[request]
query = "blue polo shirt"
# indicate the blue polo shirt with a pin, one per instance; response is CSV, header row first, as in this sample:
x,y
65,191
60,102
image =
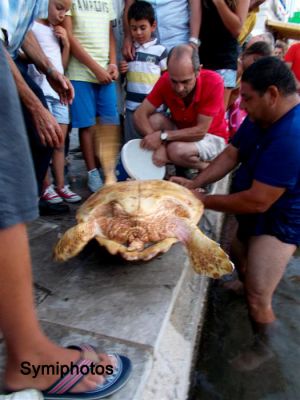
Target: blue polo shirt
x,y
271,156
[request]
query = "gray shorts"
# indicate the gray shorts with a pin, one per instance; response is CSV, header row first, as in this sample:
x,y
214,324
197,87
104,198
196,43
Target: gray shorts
x,y
210,146
18,189
59,111
130,131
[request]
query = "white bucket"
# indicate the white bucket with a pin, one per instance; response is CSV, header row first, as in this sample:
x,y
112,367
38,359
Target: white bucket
x,y
136,163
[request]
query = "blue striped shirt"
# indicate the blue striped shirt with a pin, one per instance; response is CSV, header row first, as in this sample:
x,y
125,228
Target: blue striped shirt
x,y
16,18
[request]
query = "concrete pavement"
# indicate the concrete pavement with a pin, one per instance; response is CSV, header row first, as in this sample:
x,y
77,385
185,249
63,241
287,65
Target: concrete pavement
x,y
152,312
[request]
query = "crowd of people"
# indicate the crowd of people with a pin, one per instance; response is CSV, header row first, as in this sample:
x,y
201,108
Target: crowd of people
x,y
201,93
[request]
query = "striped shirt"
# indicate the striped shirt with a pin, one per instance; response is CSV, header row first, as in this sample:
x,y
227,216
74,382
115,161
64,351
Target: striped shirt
x,y
144,71
16,18
91,26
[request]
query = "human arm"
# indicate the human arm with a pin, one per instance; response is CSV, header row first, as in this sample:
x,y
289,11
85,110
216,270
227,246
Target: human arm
x,y
112,66
255,3
216,170
82,55
59,82
123,67
258,199
195,18
62,36
128,49
141,117
233,20
47,127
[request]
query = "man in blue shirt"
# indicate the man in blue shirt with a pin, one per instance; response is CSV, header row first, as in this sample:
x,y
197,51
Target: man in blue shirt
x,y
265,191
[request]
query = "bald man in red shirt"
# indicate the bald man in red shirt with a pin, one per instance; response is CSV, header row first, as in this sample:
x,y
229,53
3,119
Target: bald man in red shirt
x,y
195,132
292,59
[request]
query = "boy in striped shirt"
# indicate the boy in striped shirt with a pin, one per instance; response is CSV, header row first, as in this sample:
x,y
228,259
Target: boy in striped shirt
x,y
150,60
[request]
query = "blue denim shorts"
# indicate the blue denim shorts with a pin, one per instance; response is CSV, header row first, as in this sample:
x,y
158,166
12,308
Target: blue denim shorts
x,y
229,77
18,189
94,100
59,111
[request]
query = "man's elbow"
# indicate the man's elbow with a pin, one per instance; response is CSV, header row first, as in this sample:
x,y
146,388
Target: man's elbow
x,y
236,32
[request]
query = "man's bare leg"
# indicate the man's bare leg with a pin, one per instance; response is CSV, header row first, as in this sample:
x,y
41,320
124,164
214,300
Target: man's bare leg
x,y
238,255
185,154
266,262
23,336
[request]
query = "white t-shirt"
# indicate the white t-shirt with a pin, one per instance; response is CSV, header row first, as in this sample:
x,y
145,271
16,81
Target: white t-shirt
x,y
51,47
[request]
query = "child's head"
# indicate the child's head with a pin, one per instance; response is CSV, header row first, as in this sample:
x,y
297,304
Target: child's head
x,y
141,21
280,49
256,51
57,10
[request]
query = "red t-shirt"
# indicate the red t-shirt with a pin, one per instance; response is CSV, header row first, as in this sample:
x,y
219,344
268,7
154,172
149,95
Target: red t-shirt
x,y
293,56
208,100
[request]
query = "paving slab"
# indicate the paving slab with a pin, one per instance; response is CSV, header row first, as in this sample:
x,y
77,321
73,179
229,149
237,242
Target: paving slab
x,y
151,311
113,304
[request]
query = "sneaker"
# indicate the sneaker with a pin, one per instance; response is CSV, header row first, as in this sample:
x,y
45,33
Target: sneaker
x,y
66,194
94,180
51,196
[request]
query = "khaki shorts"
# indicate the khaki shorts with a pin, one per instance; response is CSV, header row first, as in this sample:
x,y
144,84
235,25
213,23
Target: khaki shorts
x,y
210,146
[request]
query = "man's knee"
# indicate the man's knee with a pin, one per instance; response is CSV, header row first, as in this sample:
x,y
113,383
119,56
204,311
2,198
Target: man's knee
x,y
159,121
176,151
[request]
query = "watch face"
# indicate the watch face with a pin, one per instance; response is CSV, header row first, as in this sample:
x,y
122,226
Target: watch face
x,y
164,136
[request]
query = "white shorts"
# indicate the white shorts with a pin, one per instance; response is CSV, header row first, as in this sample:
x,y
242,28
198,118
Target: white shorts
x,y
210,146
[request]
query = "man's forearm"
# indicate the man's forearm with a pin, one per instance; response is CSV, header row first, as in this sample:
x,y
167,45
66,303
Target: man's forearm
x,y
125,18
218,168
237,203
195,17
29,99
187,134
33,50
141,122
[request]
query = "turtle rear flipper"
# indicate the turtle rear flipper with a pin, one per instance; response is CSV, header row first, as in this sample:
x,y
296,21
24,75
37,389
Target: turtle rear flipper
x,y
74,240
206,256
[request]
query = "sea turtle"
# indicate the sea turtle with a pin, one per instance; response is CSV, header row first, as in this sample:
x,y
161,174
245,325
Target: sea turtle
x,y
140,219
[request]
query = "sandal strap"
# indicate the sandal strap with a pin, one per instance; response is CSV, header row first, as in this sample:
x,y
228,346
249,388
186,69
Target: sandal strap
x,y
69,380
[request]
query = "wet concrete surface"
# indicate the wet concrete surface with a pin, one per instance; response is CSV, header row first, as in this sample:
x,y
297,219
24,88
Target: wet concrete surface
x,y
227,332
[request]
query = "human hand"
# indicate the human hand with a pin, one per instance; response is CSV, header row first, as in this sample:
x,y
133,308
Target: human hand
x,y
103,76
61,85
200,194
128,49
48,129
62,35
160,157
113,71
123,67
151,141
188,183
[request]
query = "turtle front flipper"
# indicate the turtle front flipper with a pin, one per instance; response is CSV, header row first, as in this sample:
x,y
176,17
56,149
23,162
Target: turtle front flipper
x,y
206,256
74,240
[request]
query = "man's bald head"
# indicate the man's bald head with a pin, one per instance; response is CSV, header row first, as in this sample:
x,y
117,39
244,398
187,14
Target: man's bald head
x,y
184,54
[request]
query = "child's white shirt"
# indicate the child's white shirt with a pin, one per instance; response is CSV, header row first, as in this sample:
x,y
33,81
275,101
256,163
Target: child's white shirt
x,y
51,47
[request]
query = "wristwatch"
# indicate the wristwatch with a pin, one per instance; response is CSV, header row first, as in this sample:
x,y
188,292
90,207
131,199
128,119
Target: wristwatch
x,y
164,136
195,41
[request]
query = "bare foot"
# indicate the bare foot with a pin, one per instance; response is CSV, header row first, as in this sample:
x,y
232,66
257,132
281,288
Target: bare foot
x,y
20,376
236,286
252,358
